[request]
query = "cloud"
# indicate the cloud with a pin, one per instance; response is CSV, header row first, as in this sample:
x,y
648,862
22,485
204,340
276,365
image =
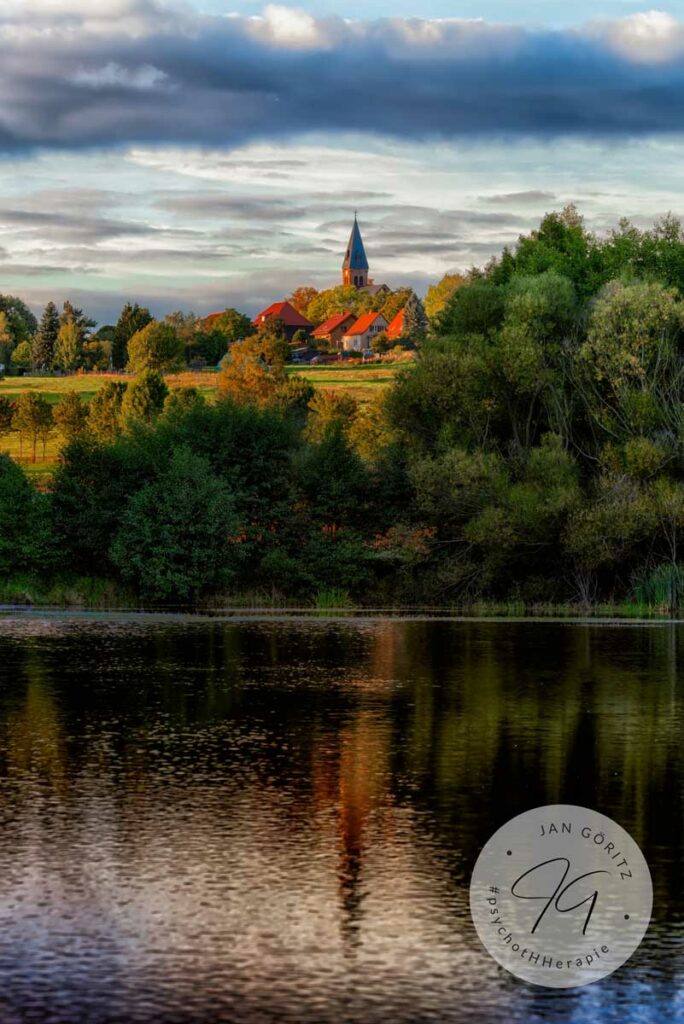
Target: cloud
x,y
145,77
75,74
532,197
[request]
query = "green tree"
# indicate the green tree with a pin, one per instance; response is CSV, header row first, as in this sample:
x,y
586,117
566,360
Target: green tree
x,y
394,302
155,347
131,320
328,408
104,412
69,347
186,326
415,321
6,340
32,420
26,543
476,308
22,323
21,356
6,414
71,416
339,299
439,294
254,370
45,338
72,315
144,398
175,540
180,401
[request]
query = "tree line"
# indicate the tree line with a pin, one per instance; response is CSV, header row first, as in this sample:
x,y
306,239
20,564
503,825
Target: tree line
x,y
67,342
534,452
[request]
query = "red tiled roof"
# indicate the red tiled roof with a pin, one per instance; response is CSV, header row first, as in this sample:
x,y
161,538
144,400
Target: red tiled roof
x,y
285,312
363,323
396,328
330,325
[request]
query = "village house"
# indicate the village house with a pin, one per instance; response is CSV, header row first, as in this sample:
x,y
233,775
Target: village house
x,y
360,335
396,327
334,329
292,320
345,330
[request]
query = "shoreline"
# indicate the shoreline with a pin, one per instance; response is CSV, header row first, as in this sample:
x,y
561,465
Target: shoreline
x,y
284,613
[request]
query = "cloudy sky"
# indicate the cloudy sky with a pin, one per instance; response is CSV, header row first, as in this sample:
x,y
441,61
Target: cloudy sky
x,y
205,154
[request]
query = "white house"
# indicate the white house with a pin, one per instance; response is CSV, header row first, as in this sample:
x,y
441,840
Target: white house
x,y
360,335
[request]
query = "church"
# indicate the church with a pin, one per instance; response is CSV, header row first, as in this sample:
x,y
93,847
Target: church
x,y
345,330
355,266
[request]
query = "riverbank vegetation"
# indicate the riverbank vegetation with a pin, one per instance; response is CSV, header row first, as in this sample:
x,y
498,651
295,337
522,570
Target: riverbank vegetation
x,y
532,456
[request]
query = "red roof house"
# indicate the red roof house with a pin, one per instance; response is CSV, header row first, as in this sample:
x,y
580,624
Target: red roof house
x,y
292,320
396,328
334,329
359,336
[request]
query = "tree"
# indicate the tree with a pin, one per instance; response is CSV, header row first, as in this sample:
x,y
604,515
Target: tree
x,y
175,539
217,333
131,320
32,420
144,398
26,543
6,340
439,294
302,297
415,321
476,308
21,356
96,354
327,409
254,370
155,347
72,315
234,326
6,414
630,369
71,416
395,302
339,299
104,412
181,401
69,346
186,326
21,321
45,339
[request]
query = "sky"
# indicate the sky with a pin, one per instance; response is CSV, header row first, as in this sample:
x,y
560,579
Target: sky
x,y
210,154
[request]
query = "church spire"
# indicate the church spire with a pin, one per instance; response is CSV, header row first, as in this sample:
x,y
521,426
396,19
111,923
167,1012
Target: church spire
x,y
355,266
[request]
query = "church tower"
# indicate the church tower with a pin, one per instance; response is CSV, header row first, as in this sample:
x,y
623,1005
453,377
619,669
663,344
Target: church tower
x,y
355,266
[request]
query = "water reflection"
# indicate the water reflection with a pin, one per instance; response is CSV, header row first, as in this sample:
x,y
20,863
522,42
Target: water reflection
x,y
276,821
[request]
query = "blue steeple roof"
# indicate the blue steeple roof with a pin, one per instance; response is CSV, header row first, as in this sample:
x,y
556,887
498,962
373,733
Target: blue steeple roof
x,y
356,254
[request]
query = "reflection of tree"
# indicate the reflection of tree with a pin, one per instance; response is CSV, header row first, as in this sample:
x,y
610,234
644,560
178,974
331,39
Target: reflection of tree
x,y
34,736
352,776
467,723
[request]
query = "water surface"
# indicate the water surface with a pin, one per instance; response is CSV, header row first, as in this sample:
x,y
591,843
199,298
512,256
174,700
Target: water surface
x,y
275,821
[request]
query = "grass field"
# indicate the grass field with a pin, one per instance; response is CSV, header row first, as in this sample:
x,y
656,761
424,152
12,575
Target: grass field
x,y
363,382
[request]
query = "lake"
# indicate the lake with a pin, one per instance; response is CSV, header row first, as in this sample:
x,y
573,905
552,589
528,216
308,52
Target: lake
x,y
275,820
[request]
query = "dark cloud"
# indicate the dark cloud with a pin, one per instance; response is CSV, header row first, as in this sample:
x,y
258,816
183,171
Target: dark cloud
x,y
75,74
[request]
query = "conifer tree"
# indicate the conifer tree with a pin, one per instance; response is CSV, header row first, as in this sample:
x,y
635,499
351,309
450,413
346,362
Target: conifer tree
x,y
45,339
415,320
